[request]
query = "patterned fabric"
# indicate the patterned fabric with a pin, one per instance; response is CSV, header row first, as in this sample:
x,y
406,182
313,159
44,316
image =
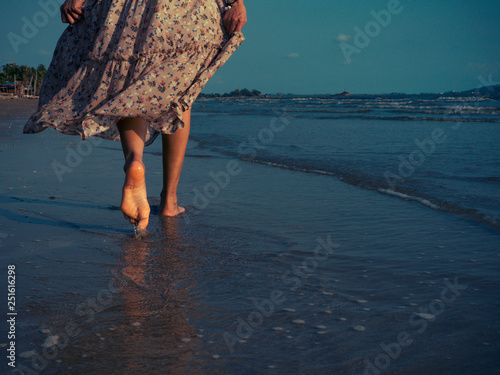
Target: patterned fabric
x,y
132,58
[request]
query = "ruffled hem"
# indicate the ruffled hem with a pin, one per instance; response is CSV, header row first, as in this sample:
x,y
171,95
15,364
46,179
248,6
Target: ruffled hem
x,y
99,94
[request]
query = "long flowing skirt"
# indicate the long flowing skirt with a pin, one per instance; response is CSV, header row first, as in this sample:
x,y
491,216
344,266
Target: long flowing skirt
x,y
132,58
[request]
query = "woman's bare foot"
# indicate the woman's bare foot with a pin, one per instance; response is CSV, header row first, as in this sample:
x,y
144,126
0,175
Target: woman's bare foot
x,y
169,207
135,206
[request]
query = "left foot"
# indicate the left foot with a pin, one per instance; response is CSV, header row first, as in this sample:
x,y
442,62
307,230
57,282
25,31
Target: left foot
x,y
169,207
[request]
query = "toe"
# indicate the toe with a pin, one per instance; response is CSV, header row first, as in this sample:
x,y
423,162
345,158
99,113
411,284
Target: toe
x,y
142,223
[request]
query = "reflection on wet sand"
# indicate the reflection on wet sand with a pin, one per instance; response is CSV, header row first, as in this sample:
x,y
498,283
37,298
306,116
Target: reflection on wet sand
x,y
155,302
152,324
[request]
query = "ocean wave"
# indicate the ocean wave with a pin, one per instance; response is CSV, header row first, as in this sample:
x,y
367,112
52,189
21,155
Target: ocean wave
x,y
407,197
463,98
441,119
447,112
356,179
330,111
410,118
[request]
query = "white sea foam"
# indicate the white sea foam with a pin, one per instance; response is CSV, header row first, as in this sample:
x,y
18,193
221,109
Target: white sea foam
x,y
422,201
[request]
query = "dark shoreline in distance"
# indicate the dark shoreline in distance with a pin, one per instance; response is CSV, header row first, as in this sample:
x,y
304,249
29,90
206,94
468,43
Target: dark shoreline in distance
x,y
492,92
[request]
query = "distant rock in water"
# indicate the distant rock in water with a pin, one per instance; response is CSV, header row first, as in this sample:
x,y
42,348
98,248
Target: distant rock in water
x,y
343,93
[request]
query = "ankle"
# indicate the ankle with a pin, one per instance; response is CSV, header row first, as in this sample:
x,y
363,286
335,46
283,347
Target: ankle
x,y
167,195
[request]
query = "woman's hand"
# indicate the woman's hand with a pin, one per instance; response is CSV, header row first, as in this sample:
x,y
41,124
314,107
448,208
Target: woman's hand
x,y
235,18
72,11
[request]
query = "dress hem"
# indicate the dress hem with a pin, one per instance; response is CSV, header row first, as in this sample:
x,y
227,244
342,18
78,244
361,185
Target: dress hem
x,y
100,118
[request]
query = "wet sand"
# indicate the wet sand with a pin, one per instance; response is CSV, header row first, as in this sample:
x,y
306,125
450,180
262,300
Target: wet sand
x,y
269,271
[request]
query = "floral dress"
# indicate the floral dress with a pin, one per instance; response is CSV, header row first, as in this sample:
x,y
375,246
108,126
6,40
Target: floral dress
x,y
132,58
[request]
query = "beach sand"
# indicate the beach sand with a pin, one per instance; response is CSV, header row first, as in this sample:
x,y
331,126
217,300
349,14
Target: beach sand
x,y
269,271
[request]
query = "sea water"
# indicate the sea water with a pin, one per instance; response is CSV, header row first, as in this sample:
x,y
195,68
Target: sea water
x,y
440,151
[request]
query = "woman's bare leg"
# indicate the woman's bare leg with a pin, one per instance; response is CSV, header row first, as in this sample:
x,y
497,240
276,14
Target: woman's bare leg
x,y
134,204
174,149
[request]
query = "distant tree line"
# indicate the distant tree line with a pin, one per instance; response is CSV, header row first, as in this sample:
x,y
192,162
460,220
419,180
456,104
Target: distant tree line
x,y
31,78
244,92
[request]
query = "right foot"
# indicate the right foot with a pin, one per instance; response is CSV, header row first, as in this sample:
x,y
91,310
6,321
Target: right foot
x,y
135,206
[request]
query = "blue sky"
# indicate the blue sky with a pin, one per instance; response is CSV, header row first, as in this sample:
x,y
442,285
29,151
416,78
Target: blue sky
x,y
309,47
